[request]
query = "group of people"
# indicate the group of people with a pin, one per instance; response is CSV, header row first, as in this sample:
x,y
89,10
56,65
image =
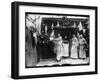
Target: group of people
x,y
75,48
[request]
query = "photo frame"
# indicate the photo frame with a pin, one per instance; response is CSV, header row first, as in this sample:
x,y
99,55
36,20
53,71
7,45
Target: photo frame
x,y
52,40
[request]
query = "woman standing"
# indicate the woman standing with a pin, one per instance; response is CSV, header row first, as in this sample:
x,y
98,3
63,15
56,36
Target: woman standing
x,y
65,47
74,50
82,42
30,49
58,46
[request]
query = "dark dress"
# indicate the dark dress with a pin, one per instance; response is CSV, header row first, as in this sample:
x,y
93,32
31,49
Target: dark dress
x,y
30,51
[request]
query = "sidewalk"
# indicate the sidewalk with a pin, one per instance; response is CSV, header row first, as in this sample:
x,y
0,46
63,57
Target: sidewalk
x,y
69,61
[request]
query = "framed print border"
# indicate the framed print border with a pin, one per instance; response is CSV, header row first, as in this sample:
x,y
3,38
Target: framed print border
x,y
15,39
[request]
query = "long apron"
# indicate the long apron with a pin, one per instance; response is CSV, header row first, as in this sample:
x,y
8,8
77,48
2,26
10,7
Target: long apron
x,y
65,49
58,49
74,50
82,52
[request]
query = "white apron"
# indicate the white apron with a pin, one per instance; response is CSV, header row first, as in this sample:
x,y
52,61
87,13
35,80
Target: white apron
x,y
82,53
58,49
74,50
65,50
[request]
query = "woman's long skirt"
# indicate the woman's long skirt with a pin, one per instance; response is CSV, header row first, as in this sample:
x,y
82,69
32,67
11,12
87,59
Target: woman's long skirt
x,y
58,50
74,52
65,50
82,53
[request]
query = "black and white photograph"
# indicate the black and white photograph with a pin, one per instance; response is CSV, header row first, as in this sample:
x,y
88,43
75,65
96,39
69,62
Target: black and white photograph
x,y
56,40
51,40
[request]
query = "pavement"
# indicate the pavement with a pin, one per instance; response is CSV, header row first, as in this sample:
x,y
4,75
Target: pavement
x,y
67,61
